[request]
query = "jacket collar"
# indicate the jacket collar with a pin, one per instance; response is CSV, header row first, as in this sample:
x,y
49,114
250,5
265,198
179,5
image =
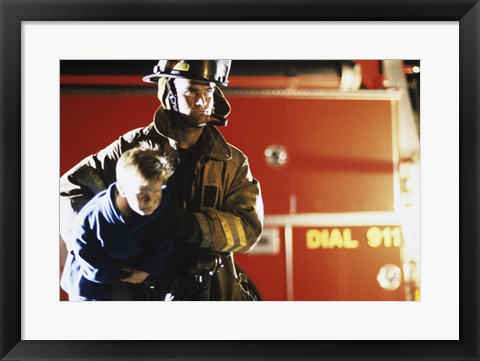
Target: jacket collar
x,y
215,146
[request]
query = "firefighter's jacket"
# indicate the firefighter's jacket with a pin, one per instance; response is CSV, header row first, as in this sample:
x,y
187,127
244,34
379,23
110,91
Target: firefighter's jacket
x,y
227,199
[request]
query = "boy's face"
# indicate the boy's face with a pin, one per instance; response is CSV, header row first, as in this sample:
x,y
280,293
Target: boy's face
x,y
142,197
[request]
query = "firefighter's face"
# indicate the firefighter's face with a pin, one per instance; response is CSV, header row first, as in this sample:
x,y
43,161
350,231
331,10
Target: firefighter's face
x,y
143,197
195,99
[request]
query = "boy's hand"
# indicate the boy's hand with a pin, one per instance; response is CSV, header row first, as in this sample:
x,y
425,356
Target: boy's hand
x,y
135,276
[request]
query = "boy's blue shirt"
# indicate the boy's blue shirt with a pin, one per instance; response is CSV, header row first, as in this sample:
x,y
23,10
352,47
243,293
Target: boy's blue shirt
x,y
104,243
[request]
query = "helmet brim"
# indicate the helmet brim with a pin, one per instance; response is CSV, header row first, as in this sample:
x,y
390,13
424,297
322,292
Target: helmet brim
x,y
153,78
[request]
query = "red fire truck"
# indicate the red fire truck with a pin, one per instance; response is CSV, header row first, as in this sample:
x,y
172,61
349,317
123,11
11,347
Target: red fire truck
x,y
335,146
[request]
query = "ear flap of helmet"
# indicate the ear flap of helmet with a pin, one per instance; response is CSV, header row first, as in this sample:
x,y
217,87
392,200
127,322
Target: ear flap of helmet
x,y
162,93
220,103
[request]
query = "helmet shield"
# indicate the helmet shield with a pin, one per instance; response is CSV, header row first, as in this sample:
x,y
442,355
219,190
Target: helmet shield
x,y
215,71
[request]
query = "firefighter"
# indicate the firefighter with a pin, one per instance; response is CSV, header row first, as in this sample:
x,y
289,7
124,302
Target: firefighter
x,y
217,209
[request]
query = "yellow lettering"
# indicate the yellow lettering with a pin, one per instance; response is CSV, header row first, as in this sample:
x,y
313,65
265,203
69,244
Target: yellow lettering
x,y
335,239
348,242
325,238
397,237
314,239
387,237
374,237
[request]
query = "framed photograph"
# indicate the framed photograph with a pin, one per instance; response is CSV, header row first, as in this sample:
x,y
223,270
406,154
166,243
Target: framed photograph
x,y
40,41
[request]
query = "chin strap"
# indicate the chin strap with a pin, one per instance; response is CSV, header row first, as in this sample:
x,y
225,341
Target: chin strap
x,y
217,120
171,96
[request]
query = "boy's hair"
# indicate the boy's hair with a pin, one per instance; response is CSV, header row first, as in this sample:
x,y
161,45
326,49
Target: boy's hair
x,y
146,161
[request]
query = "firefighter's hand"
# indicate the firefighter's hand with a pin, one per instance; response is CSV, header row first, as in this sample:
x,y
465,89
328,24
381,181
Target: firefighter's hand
x,y
135,276
177,223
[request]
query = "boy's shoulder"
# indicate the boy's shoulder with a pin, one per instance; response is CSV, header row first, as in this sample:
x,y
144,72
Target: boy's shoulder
x,y
98,208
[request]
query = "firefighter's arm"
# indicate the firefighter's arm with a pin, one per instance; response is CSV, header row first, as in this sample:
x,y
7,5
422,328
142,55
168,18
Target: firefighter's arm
x,y
82,183
237,226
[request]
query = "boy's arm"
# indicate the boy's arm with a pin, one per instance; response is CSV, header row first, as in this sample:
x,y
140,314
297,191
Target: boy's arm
x,y
95,264
154,257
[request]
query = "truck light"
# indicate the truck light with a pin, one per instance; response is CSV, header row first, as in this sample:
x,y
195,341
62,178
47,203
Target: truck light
x,y
276,156
389,277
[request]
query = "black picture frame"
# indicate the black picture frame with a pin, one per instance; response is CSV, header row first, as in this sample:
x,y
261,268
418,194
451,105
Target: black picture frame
x,y
13,12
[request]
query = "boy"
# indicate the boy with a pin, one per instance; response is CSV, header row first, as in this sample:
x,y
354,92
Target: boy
x,y
112,253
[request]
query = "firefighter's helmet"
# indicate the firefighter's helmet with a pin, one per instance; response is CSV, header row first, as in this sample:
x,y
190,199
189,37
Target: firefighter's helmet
x,y
215,71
